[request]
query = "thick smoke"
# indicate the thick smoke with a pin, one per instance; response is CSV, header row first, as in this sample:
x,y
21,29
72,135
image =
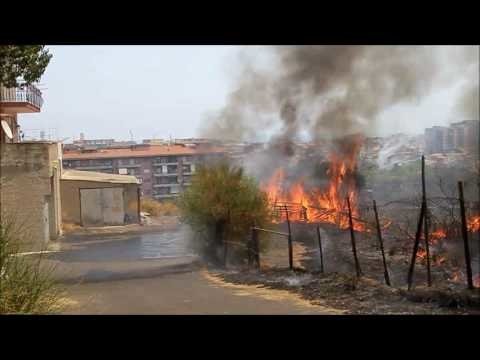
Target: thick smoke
x,y
468,107
329,91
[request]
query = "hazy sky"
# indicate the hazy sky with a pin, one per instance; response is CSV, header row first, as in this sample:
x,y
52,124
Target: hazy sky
x,y
162,91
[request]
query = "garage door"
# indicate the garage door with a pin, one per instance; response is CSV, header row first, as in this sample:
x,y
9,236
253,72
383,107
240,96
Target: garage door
x,y
100,207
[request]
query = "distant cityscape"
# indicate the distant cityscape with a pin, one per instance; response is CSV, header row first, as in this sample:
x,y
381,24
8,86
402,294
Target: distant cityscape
x,y
165,167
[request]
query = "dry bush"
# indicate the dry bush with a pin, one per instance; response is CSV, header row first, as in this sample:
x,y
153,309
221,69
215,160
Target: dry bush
x,y
70,227
157,208
26,284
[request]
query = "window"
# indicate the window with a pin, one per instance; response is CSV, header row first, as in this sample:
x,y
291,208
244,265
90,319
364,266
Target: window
x,y
172,169
162,191
161,159
167,180
186,168
127,161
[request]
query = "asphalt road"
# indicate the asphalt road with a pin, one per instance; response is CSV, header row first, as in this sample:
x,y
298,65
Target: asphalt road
x,y
157,274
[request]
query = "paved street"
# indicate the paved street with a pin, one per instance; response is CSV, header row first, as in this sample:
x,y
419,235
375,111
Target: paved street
x,y
157,274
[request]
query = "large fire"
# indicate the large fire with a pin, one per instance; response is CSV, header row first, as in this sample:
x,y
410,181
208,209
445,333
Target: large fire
x,y
321,205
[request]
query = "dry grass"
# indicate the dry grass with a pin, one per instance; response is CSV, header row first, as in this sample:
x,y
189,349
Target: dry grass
x,y
157,208
69,227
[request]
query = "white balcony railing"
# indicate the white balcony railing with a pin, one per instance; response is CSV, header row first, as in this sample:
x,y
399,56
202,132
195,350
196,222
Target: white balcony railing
x,y
29,94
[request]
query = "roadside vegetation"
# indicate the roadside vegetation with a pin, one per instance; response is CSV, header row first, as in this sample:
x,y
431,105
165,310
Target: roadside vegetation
x,y
221,205
157,208
26,285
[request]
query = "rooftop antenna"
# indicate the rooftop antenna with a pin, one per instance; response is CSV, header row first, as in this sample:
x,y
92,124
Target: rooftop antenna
x,y
131,135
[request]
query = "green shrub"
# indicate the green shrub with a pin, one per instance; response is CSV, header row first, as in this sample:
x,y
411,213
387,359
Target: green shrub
x,y
221,205
26,285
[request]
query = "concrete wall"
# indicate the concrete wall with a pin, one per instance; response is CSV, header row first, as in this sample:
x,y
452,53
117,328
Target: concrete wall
x,y
70,195
30,191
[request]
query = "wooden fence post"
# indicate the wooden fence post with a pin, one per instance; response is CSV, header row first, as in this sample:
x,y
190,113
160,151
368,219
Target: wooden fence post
x,y
250,247
380,240
256,248
352,237
468,262
415,246
320,249
426,221
290,245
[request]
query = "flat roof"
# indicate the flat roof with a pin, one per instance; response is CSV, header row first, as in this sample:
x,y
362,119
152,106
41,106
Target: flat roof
x,y
98,177
140,151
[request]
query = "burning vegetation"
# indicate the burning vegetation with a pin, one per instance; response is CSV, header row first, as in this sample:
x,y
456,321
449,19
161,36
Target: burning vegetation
x,y
314,204
332,96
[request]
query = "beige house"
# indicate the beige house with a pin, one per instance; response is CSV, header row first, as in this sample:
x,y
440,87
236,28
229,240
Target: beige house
x,y
29,172
99,199
33,186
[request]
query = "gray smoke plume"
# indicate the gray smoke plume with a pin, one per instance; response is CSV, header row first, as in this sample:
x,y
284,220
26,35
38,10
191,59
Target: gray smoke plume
x,y
467,105
327,91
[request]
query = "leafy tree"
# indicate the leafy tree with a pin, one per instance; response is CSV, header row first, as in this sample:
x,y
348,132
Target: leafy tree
x,y
27,61
221,205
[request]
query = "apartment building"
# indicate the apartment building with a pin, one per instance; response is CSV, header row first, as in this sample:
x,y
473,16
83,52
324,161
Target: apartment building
x,y
83,143
467,135
459,137
163,170
30,172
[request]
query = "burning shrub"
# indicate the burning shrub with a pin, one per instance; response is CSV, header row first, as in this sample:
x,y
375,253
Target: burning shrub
x,y
222,204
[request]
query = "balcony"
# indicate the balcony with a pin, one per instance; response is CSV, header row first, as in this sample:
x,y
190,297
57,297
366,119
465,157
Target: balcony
x,y
25,99
157,163
166,174
129,165
93,167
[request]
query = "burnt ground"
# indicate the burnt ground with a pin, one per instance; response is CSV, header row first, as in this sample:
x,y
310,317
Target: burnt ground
x,y
339,288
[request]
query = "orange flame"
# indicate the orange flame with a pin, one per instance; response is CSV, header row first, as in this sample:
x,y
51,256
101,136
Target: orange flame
x,y
457,276
328,205
436,236
473,223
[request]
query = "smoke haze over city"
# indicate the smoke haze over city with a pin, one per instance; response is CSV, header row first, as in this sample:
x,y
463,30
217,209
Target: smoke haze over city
x,y
159,91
